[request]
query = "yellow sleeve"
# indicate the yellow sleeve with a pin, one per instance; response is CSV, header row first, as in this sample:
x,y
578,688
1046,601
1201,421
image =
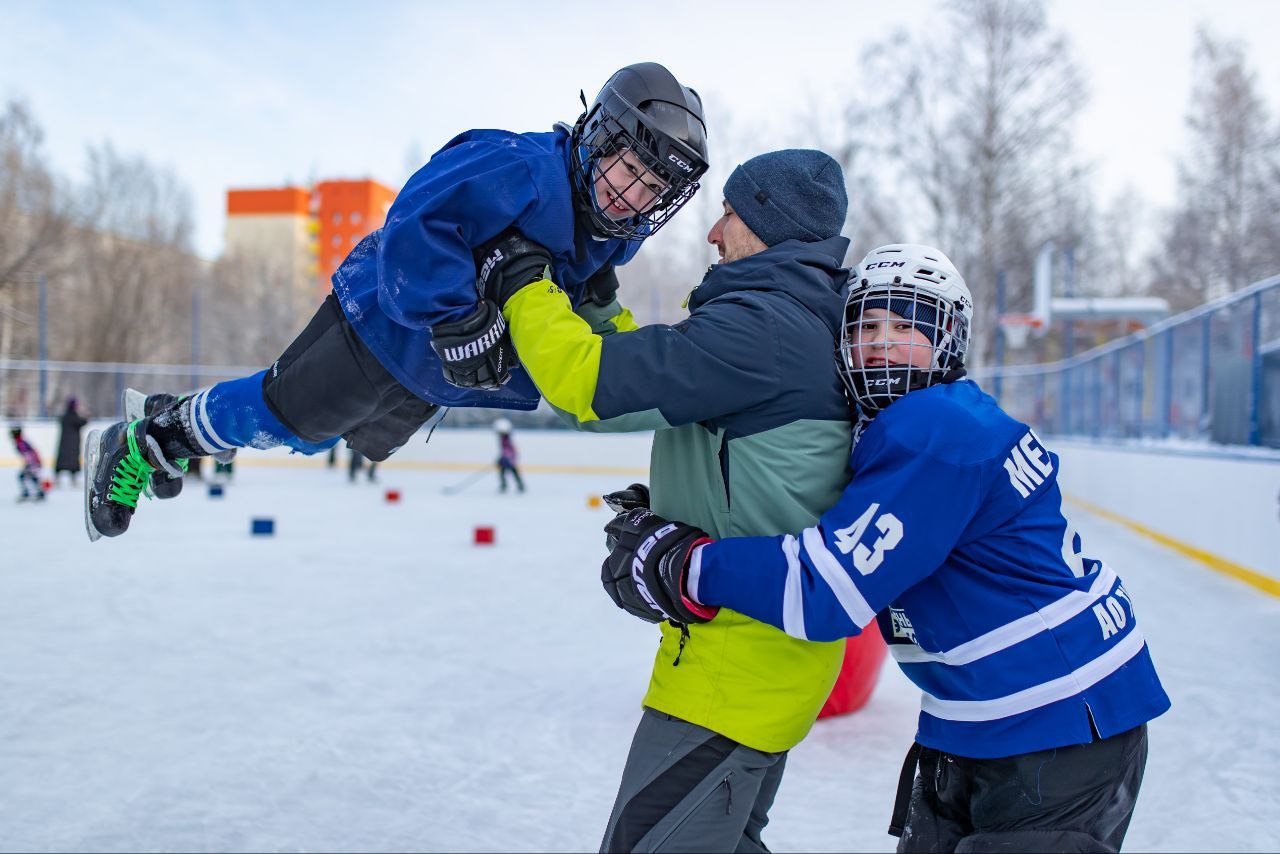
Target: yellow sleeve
x,y
557,347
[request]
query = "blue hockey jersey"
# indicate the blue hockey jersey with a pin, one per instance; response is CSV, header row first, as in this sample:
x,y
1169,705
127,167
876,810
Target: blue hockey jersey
x,y
419,269
951,535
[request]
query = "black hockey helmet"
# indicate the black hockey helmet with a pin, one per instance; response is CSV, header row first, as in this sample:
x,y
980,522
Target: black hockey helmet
x,y
645,111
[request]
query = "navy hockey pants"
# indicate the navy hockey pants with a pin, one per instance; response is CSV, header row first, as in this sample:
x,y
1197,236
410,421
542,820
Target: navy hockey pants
x,y
1077,798
326,384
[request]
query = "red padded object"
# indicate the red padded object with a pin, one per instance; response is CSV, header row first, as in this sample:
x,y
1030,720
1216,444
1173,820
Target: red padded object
x,y
863,656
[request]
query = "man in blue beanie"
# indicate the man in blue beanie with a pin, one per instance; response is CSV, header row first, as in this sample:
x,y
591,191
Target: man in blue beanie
x,y
745,429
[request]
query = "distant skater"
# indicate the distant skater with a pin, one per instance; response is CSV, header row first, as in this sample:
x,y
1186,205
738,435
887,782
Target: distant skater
x,y
29,474
506,456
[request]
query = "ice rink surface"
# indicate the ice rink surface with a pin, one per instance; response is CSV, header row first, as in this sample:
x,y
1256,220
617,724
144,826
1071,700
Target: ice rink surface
x,y
368,680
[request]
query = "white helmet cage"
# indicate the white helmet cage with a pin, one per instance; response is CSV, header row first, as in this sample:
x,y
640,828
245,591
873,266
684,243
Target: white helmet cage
x,y
921,286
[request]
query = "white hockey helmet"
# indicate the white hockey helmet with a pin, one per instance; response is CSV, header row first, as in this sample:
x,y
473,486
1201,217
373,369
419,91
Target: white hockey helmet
x,y
917,283
502,425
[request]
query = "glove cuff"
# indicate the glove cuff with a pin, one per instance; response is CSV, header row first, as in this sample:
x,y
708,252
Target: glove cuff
x,y
689,581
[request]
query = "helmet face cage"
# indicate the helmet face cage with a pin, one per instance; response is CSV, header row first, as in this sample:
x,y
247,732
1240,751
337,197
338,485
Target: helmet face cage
x,y
928,335
615,128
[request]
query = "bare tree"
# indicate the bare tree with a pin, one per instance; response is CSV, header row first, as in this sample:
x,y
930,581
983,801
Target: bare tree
x,y
34,205
970,127
1224,231
131,296
249,311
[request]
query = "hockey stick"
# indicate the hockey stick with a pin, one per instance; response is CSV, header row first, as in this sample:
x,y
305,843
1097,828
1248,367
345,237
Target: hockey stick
x,y
474,477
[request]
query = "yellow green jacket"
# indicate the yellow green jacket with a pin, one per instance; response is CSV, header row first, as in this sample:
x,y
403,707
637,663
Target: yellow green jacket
x,y
751,433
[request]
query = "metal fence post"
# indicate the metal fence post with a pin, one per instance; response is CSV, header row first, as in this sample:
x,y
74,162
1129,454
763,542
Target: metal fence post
x,y
1206,335
1166,416
998,382
1255,384
44,346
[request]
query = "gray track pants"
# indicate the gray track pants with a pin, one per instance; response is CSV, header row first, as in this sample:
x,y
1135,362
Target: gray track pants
x,y
686,788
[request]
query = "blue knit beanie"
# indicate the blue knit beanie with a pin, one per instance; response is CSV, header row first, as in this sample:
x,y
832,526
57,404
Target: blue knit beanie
x,y
794,193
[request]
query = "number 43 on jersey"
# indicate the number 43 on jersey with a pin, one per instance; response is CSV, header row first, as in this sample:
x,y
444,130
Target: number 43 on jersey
x,y
867,560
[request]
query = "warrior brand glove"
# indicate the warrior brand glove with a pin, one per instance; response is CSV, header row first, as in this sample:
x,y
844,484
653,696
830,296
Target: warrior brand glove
x,y
508,263
475,352
645,571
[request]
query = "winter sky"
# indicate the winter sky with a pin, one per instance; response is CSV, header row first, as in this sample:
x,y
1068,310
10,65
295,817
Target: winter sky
x,y
260,94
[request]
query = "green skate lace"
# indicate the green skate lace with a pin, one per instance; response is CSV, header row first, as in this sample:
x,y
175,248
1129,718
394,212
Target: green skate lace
x,y
130,475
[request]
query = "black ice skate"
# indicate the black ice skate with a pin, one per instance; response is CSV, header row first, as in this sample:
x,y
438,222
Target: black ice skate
x,y
118,462
137,406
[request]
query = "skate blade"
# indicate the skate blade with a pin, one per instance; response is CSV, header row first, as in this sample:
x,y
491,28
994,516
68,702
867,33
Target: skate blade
x,y
92,453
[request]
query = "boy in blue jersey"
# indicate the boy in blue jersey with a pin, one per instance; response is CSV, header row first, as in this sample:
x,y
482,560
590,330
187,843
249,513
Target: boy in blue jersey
x,y
405,330
1037,682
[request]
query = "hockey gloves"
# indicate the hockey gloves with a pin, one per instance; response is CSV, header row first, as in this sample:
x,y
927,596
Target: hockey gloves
x,y
635,495
475,352
508,263
645,571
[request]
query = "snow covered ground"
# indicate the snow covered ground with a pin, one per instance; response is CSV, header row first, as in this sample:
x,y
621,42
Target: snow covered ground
x,y
367,679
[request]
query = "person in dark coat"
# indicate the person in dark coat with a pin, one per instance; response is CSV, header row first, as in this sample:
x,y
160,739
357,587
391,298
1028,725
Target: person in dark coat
x,y
68,459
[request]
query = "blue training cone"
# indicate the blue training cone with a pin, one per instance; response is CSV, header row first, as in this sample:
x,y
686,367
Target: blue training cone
x,y
263,527
215,490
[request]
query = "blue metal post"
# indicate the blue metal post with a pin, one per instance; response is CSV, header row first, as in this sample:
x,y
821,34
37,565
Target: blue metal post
x,y
1141,390
44,346
1117,386
1255,391
1206,334
1166,416
1097,398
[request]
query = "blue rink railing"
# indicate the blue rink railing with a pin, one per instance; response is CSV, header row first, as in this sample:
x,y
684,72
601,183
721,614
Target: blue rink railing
x,y
1211,374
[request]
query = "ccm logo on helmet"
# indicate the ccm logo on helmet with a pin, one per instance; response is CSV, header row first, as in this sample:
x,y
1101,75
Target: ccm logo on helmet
x,y
886,264
677,161
886,382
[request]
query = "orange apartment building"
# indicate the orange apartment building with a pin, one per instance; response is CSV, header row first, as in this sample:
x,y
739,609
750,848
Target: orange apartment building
x,y
301,235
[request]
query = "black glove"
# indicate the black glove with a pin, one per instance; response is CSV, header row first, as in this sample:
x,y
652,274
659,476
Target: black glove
x,y
475,352
602,288
635,495
644,572
507,263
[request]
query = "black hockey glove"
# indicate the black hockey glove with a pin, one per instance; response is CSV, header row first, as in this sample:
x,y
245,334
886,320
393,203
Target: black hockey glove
x,y
475,352
635,495
645,570
507,263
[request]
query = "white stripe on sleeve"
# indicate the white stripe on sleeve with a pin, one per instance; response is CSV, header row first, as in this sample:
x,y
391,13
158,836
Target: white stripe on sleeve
x,y
792,595
837,579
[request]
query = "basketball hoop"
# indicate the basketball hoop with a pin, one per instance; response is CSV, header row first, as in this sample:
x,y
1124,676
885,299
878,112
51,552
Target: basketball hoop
x,y
1016,328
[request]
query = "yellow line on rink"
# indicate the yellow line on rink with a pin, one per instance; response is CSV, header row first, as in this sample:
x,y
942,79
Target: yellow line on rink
x,y
1253,578
318,461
